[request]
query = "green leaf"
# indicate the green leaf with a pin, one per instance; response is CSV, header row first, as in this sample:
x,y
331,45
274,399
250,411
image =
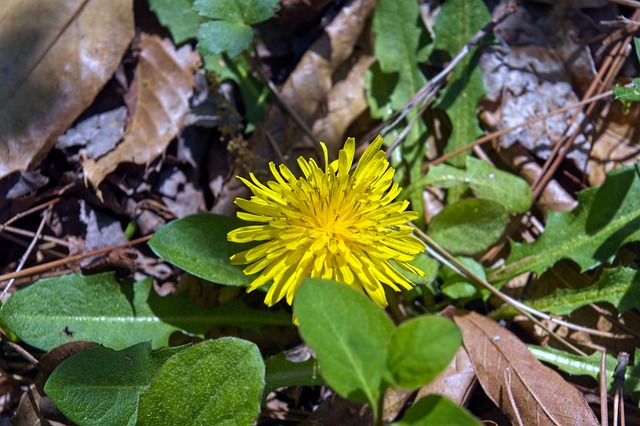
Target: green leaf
x,y
178,16
400,39
100,386
223,36
248,11
280,372
198,244
486,181
618,286
420,349
97,308
350,335
606,217
436,410
457,286
230,31
426,264
577,365
628,94
469,226
217,382
457,22
398,32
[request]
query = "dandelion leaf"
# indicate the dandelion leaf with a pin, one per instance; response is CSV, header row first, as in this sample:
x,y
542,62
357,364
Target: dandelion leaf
x,y
606,218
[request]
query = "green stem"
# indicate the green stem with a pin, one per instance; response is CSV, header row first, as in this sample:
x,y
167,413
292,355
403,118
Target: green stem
x,y
379,416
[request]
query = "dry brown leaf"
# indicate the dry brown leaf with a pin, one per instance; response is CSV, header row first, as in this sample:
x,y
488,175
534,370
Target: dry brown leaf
x,y
158,101
516,381
305,91
456,382
618,142
310,83
54,58
345,102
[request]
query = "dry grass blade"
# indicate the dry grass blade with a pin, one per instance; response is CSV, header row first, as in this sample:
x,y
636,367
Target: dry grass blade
x,y
535,388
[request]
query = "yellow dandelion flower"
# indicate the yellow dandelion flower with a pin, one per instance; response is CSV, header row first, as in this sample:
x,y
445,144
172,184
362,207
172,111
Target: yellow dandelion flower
x,y
330,224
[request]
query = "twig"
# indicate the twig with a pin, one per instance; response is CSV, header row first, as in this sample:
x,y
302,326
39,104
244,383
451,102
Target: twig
x,y
428,91
447,259
533,120
283,104
45,266
23,353
27,253
20,215
26,233
604,404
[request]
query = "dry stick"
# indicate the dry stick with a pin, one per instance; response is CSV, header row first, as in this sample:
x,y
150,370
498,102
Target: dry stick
x,y
604,404
27,253
533,120
447,259
560,150
25,233
430,89
30,211
283,104
45,266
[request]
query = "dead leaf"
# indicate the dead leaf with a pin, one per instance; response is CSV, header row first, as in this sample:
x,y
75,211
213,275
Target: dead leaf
x,y
456,382
516,381
306,89
54,58
158,102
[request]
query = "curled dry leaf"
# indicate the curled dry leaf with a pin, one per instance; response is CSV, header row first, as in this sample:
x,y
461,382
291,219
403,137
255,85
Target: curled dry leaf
x,y
308,86
525,390
54,58
158,101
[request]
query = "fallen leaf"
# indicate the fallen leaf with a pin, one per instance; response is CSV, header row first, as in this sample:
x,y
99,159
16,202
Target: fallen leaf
x,y
54,58
456,382
158,102
524,389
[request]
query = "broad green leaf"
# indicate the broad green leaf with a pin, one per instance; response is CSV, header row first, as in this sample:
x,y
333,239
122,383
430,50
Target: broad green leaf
x,y
398,32
618,286
178,16
420,349
223,36
590,365
100,386
198,244
248,11
628,94
280,372
606,217
400,40
97,308
469,226
426,264
436,410
217,382
457,22
230,29
457,286
350,335
486,181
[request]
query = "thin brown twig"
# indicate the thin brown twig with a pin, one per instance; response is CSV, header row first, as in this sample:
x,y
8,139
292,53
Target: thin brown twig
x,y
25,233
27,253
54,264
606,74
533,120
37,208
